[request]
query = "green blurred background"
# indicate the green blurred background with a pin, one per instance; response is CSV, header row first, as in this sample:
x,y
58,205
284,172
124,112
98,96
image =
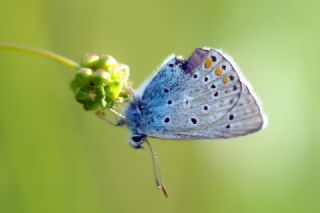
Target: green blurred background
x,y
55,157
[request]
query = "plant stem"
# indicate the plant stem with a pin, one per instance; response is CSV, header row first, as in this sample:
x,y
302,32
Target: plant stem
x,y
40,52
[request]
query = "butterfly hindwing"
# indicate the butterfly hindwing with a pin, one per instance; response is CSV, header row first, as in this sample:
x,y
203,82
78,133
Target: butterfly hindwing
x,y
200,98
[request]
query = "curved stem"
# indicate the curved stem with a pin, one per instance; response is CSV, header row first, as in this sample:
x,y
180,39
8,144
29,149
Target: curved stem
x,y
41,52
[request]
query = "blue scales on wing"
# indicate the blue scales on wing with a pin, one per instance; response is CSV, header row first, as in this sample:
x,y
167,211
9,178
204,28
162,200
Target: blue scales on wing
x,y
203,97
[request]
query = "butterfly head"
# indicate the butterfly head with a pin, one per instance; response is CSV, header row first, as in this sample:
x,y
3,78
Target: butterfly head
x,y
133,116
136,140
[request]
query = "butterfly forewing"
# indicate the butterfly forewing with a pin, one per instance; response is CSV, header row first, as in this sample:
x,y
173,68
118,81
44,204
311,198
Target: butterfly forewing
x,y
202,97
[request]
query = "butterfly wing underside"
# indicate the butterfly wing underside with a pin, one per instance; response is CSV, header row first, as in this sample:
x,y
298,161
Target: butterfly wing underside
x,y
204,97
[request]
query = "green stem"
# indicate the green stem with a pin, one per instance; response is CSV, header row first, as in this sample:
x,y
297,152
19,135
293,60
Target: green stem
x,y
41,52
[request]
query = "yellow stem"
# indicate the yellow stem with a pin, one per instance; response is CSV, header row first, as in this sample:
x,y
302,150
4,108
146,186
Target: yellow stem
x,y
40,52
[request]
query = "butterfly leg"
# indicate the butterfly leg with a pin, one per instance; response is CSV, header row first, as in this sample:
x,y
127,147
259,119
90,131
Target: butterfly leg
x,y
121,120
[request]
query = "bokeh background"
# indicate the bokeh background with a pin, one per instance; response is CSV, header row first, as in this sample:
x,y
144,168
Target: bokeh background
x,y
55,157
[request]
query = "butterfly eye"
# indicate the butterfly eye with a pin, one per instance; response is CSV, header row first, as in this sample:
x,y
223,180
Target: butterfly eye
x,y
136,141
195,76
137,138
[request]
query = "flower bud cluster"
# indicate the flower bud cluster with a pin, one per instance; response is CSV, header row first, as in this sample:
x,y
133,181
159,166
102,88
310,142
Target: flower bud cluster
x,y
101,82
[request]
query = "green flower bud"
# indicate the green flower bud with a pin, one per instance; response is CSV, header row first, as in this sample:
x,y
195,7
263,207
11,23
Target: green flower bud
x,y
90,60
124,95
124,69
115,89
94,105
74,85
100,77
91,98
101,83
83,76
82,94
97,93
115,75
96,99
107,63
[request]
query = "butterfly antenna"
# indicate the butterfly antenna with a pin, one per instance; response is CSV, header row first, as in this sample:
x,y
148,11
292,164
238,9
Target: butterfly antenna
x,y
156,170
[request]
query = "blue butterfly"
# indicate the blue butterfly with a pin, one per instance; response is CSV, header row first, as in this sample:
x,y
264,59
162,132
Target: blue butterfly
x,y
204,97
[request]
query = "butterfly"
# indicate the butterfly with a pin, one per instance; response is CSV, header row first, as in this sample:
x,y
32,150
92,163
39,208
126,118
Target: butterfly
x,y
203,97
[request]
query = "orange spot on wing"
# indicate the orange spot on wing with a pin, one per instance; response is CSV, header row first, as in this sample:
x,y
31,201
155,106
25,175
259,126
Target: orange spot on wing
x,y
208,63
219,71
225,79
